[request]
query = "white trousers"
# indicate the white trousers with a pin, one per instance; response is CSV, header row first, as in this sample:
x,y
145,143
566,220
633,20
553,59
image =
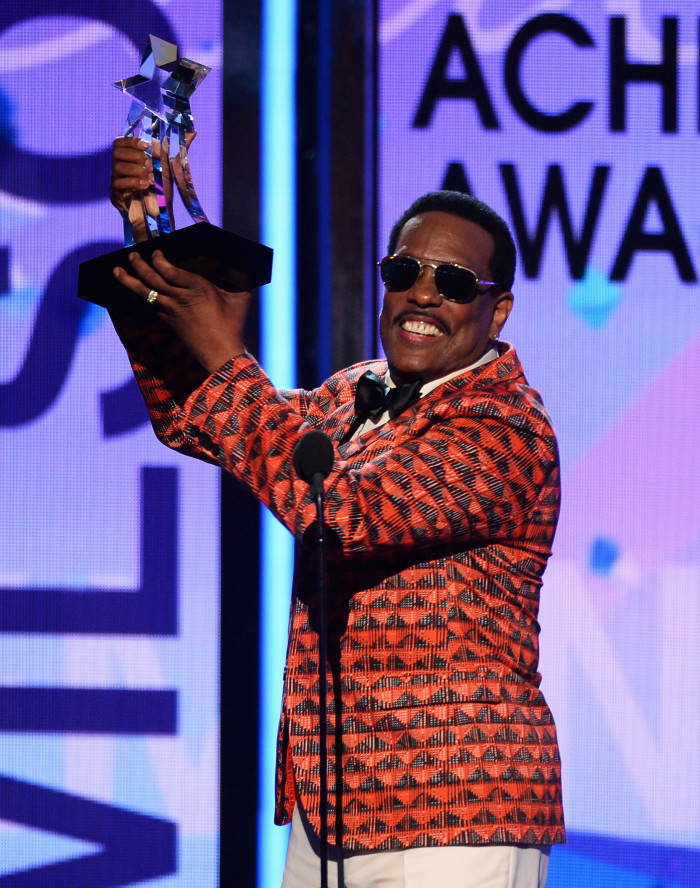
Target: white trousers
x,y
471,866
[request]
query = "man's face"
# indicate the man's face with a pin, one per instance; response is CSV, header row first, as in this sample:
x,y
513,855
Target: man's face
x,y
453,335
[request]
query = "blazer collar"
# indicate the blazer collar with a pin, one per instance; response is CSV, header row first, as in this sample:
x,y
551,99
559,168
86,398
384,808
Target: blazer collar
x,y
486,375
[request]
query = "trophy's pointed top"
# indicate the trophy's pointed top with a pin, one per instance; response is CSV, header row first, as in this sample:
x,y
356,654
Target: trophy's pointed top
x,y
165,55
165,82
185,78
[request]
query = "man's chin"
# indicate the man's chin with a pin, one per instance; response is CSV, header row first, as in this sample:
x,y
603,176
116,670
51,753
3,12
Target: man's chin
x,y
402,373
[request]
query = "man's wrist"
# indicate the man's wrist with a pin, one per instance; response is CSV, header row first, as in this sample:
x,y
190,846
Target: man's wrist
x,y
213,360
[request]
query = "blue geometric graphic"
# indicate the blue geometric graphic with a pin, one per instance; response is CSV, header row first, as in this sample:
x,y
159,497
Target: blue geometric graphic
x,y
603,555
149,610
594,298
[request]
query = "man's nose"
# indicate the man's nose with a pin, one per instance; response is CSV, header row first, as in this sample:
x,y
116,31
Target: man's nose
x,y
424,290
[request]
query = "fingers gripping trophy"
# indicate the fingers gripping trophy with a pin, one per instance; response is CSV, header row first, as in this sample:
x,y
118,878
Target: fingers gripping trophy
x,y
160,115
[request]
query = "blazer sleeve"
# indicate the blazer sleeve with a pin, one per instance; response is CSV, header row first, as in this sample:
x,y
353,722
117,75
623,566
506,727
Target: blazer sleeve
x,y
167,375
164,369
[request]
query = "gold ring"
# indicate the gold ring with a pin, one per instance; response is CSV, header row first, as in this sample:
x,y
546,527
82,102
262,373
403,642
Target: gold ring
x,y
152,296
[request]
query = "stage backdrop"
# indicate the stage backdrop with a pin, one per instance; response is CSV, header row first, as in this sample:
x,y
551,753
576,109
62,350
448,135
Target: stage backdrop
x,y
108,542
579,123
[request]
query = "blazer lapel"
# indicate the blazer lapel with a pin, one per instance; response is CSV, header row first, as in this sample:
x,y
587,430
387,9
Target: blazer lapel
x,y
340,421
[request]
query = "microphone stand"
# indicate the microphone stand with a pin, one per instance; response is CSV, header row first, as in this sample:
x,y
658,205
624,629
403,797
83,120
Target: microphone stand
x,y
313,460
317,494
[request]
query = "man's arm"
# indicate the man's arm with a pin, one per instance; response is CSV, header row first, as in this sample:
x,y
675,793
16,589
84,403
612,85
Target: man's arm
x,y
462,479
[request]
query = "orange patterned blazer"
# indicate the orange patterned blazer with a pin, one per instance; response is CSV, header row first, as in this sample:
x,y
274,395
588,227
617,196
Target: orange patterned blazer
x,y
440,526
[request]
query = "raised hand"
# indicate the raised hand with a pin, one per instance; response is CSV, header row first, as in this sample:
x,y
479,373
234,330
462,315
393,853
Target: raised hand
x,y
132,177
208,320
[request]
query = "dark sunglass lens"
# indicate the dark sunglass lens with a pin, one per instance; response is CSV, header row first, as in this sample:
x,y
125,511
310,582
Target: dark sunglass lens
x,y
399,273
455,284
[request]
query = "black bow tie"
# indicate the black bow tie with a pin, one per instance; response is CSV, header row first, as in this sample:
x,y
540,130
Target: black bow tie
x,y
373,397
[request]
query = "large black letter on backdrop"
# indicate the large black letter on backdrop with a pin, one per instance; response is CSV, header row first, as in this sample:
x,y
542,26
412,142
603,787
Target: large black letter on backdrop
x,y
48,358
539,120
554,198
455,178
4,270
151,609
50,353
134,847
61,710
653,191
622,72
440,86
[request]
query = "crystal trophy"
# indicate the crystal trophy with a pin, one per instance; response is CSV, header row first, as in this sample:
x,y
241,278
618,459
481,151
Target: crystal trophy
x,y
160,114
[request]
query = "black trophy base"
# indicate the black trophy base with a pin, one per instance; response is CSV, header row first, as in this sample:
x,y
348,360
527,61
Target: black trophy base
x,y
228,260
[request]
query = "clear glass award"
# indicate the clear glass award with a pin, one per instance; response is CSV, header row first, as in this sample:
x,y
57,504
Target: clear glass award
x,y
160,114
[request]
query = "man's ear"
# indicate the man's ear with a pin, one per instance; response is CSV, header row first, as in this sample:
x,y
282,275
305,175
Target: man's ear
x,y
501,310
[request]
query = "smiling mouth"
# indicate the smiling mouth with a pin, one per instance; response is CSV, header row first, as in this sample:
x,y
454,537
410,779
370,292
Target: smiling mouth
x,y
421,328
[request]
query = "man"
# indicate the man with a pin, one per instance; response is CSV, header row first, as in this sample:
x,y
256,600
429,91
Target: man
x,y
441,511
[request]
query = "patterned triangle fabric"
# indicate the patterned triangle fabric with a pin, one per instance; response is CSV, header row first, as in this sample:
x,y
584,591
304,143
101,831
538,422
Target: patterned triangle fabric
x,y
440,526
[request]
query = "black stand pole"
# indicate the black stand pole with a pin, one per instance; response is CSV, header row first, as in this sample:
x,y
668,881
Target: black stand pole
x,y
322,684
313,461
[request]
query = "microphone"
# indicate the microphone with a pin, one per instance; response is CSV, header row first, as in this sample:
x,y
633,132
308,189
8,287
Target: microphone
x,y
313,459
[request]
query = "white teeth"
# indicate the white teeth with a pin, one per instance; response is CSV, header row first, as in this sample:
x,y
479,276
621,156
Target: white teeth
x,y
421,327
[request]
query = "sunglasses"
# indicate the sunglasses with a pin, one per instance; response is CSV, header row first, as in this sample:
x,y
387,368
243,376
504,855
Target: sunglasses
x,y
452,281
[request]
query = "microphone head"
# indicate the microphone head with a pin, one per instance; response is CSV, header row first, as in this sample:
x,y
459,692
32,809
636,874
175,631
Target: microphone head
x,y
313,455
